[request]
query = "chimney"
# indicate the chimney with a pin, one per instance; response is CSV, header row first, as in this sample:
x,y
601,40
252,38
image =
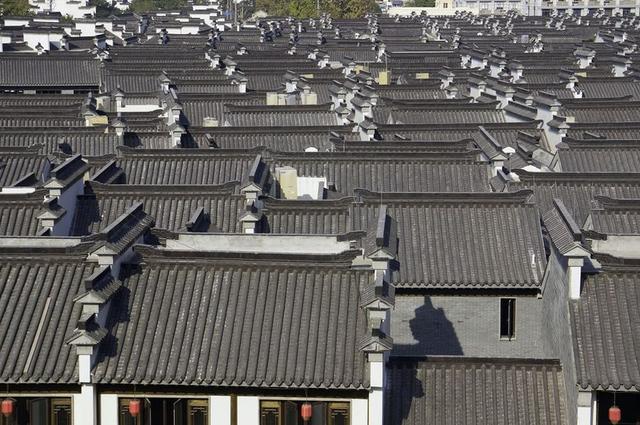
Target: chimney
x,y
242,85
308,97
446,77
349,68
477,85
343,114
451,92
367,130
176,131
291,82
313,55
584,56
119,126
324,62
230,66
118,95
287,178
52,215
165,82
516,69
620,65
381,52
362,108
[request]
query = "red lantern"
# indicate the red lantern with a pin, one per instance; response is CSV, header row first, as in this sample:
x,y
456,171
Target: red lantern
x,y
8,405
306,411
134,407
615,415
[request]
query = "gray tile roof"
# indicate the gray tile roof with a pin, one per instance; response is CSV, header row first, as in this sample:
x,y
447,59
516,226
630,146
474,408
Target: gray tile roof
x,y
563,231
87,142
475,391
600,156
19,213
186,166
197,108
51,283
42,71
281,116
327,217
615,216
397,172
604,112
285,139
577,190
18,163
171,206
439,115
608,130
465,240
296,327
605,328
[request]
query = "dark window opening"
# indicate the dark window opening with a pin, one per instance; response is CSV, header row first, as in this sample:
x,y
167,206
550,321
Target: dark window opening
x,y
290,413
628,402
39,411
166,411
507,318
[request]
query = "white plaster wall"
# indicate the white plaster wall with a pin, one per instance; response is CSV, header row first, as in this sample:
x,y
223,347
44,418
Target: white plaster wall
x,y
9,22
248,411
68,200
622,246
32,40
86,28
375,407
308,187
586,415
137,108
359,411
18,190
84,368
257,243
84,406
108,409
190,30
220,410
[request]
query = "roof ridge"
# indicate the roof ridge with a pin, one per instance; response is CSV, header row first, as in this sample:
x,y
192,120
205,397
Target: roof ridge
x,y
151,254
515,198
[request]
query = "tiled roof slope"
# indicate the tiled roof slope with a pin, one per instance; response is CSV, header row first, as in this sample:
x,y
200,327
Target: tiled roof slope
x,y
326,217
272,116
600,156
577,190
391,172
239,323
606,328
615,216
187,166
86,143
172,207
38,290
41,71
18,163
475,391
19,213
460,241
